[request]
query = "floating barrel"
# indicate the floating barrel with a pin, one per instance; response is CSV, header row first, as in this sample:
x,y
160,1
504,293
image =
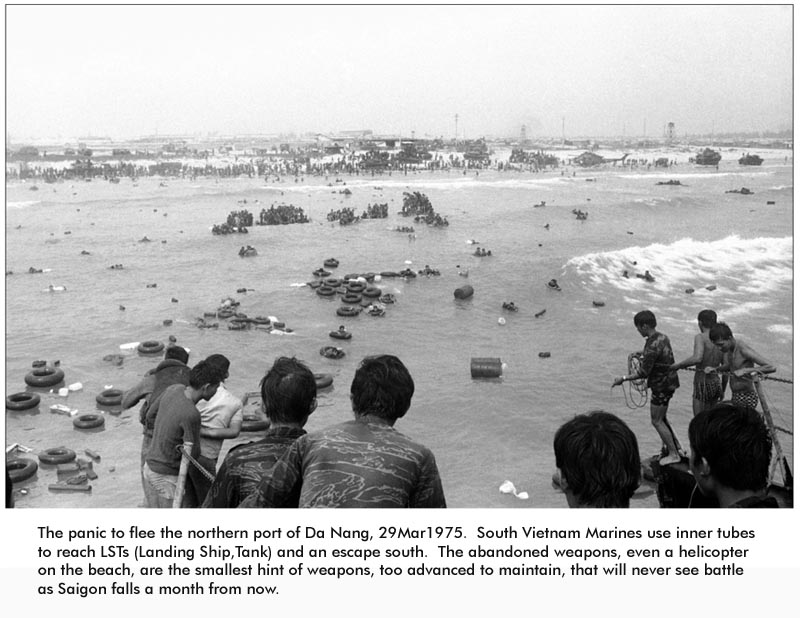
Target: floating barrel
x,y
486,367
465,291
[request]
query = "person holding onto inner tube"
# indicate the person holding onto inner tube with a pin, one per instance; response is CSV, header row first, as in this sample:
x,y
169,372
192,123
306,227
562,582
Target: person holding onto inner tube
x,y
220,419
662,380
172,370
289,396
597,457
178,422
741,361
708,387
362,463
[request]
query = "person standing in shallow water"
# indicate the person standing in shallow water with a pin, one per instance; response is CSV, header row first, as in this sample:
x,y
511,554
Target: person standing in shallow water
x,y
742,362
708,387
662,380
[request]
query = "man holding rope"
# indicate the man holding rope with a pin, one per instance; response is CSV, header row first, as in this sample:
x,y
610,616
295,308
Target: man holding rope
x,y
742,361
662,380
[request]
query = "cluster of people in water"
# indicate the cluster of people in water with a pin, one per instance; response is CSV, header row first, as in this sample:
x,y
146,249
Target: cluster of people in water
x,y
282,214
481,252
580,215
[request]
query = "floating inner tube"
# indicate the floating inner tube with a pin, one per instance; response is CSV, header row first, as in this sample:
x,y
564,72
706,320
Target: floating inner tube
x,y
389,273
152,347
325,290
209,314
21,469
329,351
22,401
333,282
388,299
377,312
54,456
44,376
351,298
598,303
356,287
338,334
237,326
89,421
314,284
279,324
110,397
347,311
251,422
260,320
331,263
372,292
323,380
321,272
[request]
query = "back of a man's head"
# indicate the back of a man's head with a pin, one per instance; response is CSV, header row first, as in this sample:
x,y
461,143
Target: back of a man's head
x,y
176,352
203,373
735,442
288,391
220,363
707,318
598,456
382,387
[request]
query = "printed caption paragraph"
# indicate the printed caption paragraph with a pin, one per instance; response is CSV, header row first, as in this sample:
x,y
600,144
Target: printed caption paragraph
x,y
225,560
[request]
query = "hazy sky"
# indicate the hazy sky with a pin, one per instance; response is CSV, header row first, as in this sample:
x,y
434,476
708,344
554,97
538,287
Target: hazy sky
x,y
605,70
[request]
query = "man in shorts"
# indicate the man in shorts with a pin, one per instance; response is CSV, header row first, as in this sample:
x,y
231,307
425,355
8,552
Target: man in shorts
x,y
708,387
662,380
742,362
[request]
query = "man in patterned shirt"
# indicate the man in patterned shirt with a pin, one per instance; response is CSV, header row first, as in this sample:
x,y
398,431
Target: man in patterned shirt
x,y
289,396
657,359
362,463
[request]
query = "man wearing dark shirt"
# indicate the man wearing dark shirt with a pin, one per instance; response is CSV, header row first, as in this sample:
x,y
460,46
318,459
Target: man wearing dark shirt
x,y
363,463
177,422
731,454
656,362
289,396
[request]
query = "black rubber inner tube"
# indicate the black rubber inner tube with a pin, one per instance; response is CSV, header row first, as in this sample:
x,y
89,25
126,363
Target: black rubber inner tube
x,y
57,455
22,401
89,421
110,397
150,347
44,376
21,469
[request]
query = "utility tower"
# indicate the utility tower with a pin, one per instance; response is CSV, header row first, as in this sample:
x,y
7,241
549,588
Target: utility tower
x,y
670,131
456,128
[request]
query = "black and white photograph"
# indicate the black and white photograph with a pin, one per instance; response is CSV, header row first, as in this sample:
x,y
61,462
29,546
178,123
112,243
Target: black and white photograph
x,y
342,256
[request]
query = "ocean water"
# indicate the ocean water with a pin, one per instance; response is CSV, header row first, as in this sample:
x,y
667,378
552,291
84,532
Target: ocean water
x,y
482,432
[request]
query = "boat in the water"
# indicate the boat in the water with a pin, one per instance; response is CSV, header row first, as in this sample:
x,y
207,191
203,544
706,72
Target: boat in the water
x,y
676,486
750,159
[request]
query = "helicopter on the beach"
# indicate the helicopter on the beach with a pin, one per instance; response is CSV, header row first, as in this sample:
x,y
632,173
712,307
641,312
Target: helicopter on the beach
x,y
590,159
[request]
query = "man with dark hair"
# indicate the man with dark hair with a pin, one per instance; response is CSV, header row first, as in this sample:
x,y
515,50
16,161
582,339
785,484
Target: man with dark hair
x,y
178,422
289,396
172,370
220,419
662,380
708,387
731,454
597,457
363,463
742,362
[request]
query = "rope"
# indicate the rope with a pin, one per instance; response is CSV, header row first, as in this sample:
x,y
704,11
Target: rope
x,y
728,373
639,385
195,463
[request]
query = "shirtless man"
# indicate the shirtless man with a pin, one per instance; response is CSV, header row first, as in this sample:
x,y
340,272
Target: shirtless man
x,y
741,361
708,388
